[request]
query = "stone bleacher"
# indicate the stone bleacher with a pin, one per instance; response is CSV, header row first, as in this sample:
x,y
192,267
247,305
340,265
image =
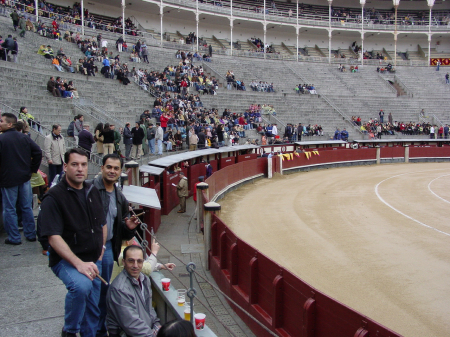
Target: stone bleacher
x,y
362,93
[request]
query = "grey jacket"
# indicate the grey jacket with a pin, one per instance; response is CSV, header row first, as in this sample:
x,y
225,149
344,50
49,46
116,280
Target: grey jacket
x,y
159,133
78,127
128,309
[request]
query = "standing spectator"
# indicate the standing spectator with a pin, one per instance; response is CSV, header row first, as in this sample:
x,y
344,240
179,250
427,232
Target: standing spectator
x,y
446,129
151,133
182,191
22,26
138,136
193,139
54,149
15,50
117,139
127,140
438,64
159,135
432,132
99,139
144,53
119,44
78,127
381,114
20,156
72,219
15,19
447,78
108,139
86,139
390,119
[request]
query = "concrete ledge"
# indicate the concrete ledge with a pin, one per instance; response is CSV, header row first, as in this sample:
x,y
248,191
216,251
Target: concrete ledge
x,y
219,195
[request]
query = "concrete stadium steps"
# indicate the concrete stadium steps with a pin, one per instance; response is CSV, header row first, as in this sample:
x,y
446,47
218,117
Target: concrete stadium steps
x,y
424,81
292,108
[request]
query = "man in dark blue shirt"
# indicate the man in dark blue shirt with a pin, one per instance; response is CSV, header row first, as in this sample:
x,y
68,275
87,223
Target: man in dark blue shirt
x,y
20,156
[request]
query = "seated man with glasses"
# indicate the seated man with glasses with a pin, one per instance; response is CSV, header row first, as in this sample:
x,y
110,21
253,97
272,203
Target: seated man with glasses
x,y
129,299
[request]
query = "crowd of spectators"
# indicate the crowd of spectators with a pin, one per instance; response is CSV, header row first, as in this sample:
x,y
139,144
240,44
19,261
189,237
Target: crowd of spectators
x,y
305,89
62,88
375,128
72,15
389,68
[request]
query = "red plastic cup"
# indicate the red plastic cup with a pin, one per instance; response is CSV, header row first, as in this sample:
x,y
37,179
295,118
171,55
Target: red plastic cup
x,y
165,284
199,321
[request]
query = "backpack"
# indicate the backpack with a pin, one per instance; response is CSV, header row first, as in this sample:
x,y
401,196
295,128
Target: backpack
x,y
70,129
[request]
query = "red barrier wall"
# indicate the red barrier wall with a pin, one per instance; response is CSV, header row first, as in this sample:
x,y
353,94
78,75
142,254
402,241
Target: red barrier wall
x,y
170,198
392,152
324,157
425,151
227,161
244,157
275,296
230,174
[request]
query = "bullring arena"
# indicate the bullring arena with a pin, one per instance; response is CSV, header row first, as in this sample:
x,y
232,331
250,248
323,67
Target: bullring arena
x,y
374,238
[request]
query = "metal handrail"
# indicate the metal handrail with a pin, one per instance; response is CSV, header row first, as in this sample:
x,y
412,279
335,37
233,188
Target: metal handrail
x,y
45,131
403,85
100,114
344,116
387,84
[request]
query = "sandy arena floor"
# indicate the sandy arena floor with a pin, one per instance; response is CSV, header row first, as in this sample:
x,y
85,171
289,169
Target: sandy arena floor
x,y
374,237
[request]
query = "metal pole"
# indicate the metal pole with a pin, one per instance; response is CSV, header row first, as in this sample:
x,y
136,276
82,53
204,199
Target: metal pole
x,y
161,13
296,52
362,34
36,6
265,28
190,267
395,38
231,27
197,18
429,39
123,20
82,17
231,45
329,31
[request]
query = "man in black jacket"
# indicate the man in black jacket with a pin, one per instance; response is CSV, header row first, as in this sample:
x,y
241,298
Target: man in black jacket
x,y
72,219
20,156
120,227
138,136
86,139
127,140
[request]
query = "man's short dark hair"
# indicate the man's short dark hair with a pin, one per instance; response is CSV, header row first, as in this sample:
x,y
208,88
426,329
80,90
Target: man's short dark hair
x,y
10,118
79,151
131,248
55,126
114,156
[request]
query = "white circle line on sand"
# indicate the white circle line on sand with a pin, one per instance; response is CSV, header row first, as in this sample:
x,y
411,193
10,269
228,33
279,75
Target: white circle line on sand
x,y
437,196
400,212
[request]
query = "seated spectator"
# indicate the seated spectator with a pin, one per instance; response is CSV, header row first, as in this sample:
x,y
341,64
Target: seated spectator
x,y
131,317
55,62
66,64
